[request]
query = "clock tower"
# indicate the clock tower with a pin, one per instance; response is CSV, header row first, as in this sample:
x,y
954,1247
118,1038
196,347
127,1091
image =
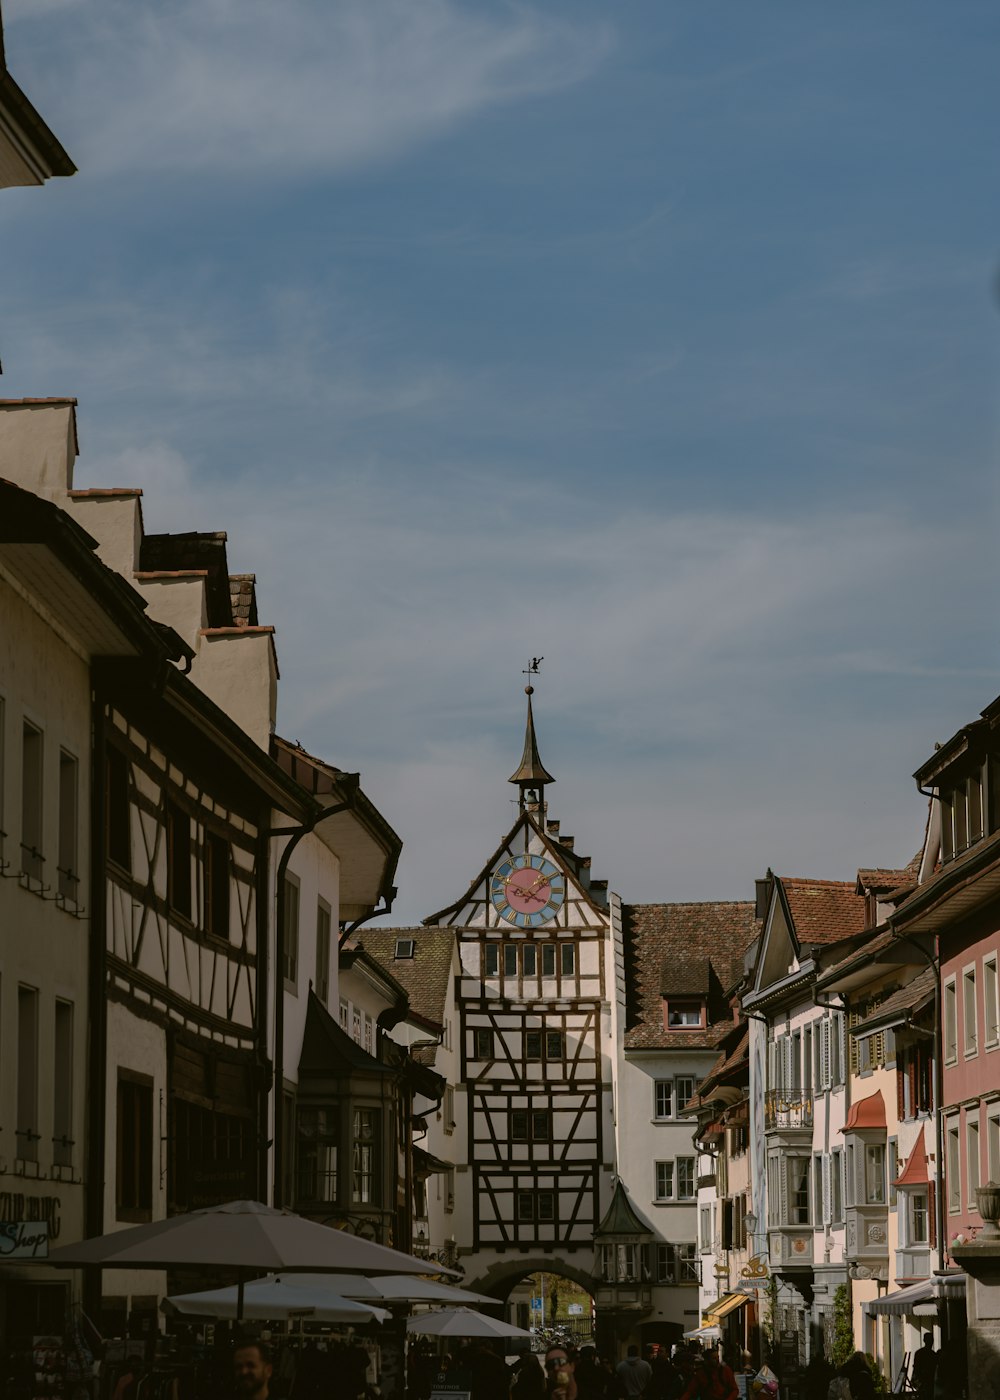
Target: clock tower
x,y
535,1049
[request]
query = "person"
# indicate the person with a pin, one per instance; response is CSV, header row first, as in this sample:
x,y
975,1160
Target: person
x,y
490,1376
665,1381
529,1378
559,1378
924,1365
634,1374
711,1379
859,1377
252,1370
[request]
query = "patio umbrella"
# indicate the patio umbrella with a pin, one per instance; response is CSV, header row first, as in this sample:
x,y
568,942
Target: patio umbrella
x,y
462,1322
273,1298
242,1235
402,1289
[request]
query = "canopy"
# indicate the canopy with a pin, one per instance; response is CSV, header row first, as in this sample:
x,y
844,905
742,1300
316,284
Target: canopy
x,y
706,1334
462,1322
275,1298
398,1289
919,1299
241,1235
725,1306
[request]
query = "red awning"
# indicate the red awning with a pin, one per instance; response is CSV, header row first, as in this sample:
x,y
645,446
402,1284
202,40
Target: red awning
x,y
866,1113
915,1172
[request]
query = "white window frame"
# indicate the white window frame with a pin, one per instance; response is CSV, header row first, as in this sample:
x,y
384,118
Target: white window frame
x,y
973,1161
953,1158
993,1142
991,1002
666,1085
970,1024
949,1019
664,1191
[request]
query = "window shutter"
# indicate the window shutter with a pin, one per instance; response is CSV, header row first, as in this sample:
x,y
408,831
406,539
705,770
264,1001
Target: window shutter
x,y
932,1214
727,1224
900,1095
772,1065
853,1053
825,1053
788,1079
827,1193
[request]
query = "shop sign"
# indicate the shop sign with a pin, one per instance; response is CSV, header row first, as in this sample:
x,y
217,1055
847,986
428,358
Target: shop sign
x,y
15,1207
24,1239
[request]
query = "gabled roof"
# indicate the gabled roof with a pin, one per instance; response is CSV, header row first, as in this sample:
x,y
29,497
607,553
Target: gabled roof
x,y
915,1173
900,1005
427,975
823,911
30,154
704,942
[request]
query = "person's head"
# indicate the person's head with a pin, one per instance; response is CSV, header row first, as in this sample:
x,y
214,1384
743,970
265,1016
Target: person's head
x,y
252,1369
928,1339
633,1350
711,1356
557,1359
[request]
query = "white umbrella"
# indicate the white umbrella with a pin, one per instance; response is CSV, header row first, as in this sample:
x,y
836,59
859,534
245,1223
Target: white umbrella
x,y
273,1298
462,1322
402,1289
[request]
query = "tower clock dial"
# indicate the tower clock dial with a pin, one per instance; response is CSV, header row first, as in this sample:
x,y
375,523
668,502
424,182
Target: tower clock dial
x,y
527,890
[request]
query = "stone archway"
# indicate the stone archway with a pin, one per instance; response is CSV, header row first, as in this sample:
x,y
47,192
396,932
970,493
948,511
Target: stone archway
x,y
500,1277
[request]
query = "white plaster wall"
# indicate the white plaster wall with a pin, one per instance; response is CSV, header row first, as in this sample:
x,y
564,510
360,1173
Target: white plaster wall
x,y
115,522
179,602
37,449
317,870
42,946
237,670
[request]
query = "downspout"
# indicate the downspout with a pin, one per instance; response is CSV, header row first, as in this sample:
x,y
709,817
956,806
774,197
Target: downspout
x,y
97,1059
295,835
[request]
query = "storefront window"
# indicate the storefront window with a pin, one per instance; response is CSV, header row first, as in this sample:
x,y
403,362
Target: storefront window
x,y
365,1183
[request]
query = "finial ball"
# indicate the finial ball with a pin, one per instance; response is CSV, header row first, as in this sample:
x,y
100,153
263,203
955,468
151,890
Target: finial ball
x,y
529,690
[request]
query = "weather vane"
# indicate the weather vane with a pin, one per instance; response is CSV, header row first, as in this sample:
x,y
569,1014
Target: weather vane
x,y
533,666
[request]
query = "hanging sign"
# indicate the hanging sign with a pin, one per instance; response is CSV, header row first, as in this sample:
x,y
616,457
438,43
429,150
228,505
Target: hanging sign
x,y
24,1239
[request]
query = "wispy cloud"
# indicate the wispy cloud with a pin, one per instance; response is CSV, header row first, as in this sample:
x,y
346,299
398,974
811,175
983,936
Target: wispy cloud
x,y
252,88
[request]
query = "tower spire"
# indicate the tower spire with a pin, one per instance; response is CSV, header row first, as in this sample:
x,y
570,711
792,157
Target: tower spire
x,y
531,773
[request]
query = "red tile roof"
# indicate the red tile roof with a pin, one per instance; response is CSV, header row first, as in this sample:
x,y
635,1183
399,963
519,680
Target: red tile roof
x,y
709,938
915,1172
426,975
824,911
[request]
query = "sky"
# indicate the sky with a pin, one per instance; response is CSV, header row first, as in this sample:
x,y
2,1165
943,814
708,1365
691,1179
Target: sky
x,y
658,339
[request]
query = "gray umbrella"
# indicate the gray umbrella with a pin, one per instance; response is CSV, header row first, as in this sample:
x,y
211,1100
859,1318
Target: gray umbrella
x,y
243,1235
462,1322
395,1289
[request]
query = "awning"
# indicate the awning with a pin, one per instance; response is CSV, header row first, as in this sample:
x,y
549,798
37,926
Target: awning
x,y
725,1306
919,1299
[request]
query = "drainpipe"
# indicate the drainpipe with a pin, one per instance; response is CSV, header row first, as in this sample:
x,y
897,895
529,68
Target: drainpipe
x,y
295,835
97,1009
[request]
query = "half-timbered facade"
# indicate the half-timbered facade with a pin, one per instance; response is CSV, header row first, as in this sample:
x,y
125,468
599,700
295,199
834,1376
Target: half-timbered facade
x,y
533,1104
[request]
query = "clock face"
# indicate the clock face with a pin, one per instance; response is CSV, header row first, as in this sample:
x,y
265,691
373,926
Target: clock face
x,y
527,890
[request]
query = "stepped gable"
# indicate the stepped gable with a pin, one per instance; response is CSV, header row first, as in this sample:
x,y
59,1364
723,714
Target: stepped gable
x,y
824,911
194,552
426,975
683,949
579,866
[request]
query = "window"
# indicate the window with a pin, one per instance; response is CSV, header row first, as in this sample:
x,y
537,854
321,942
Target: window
x,y
675,1181
116,810
356,1024
893,1168
369,1034
323,926
491,960
32,860
548,959
684,1015
345,1015
950,1017
533,1125
26,1132
685,1090
364,1188
510,959
567,959
216,860
529,960
134,1147
972,1160
555,1045
836,1185
991,1002
178,860
482,1039
405,948
705,1229
676,1263
817,1188
875,1173
917,1218
797,1177
62,1086
970,1022
664,1172
318,1145
449,1108
954,1171
535,1206
663,1098
290,964
69,881
532,1045
685,1178
993,1146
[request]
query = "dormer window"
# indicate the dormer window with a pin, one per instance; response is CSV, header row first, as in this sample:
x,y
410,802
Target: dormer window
x,y
963,811
405,948
683,1014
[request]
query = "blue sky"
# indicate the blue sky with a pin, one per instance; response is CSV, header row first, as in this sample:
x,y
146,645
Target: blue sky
x,y
660,339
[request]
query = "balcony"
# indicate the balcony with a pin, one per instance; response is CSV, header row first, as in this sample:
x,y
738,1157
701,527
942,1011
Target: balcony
x,y
790,1247
627,1296
866,1241
788,1111
913,1262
